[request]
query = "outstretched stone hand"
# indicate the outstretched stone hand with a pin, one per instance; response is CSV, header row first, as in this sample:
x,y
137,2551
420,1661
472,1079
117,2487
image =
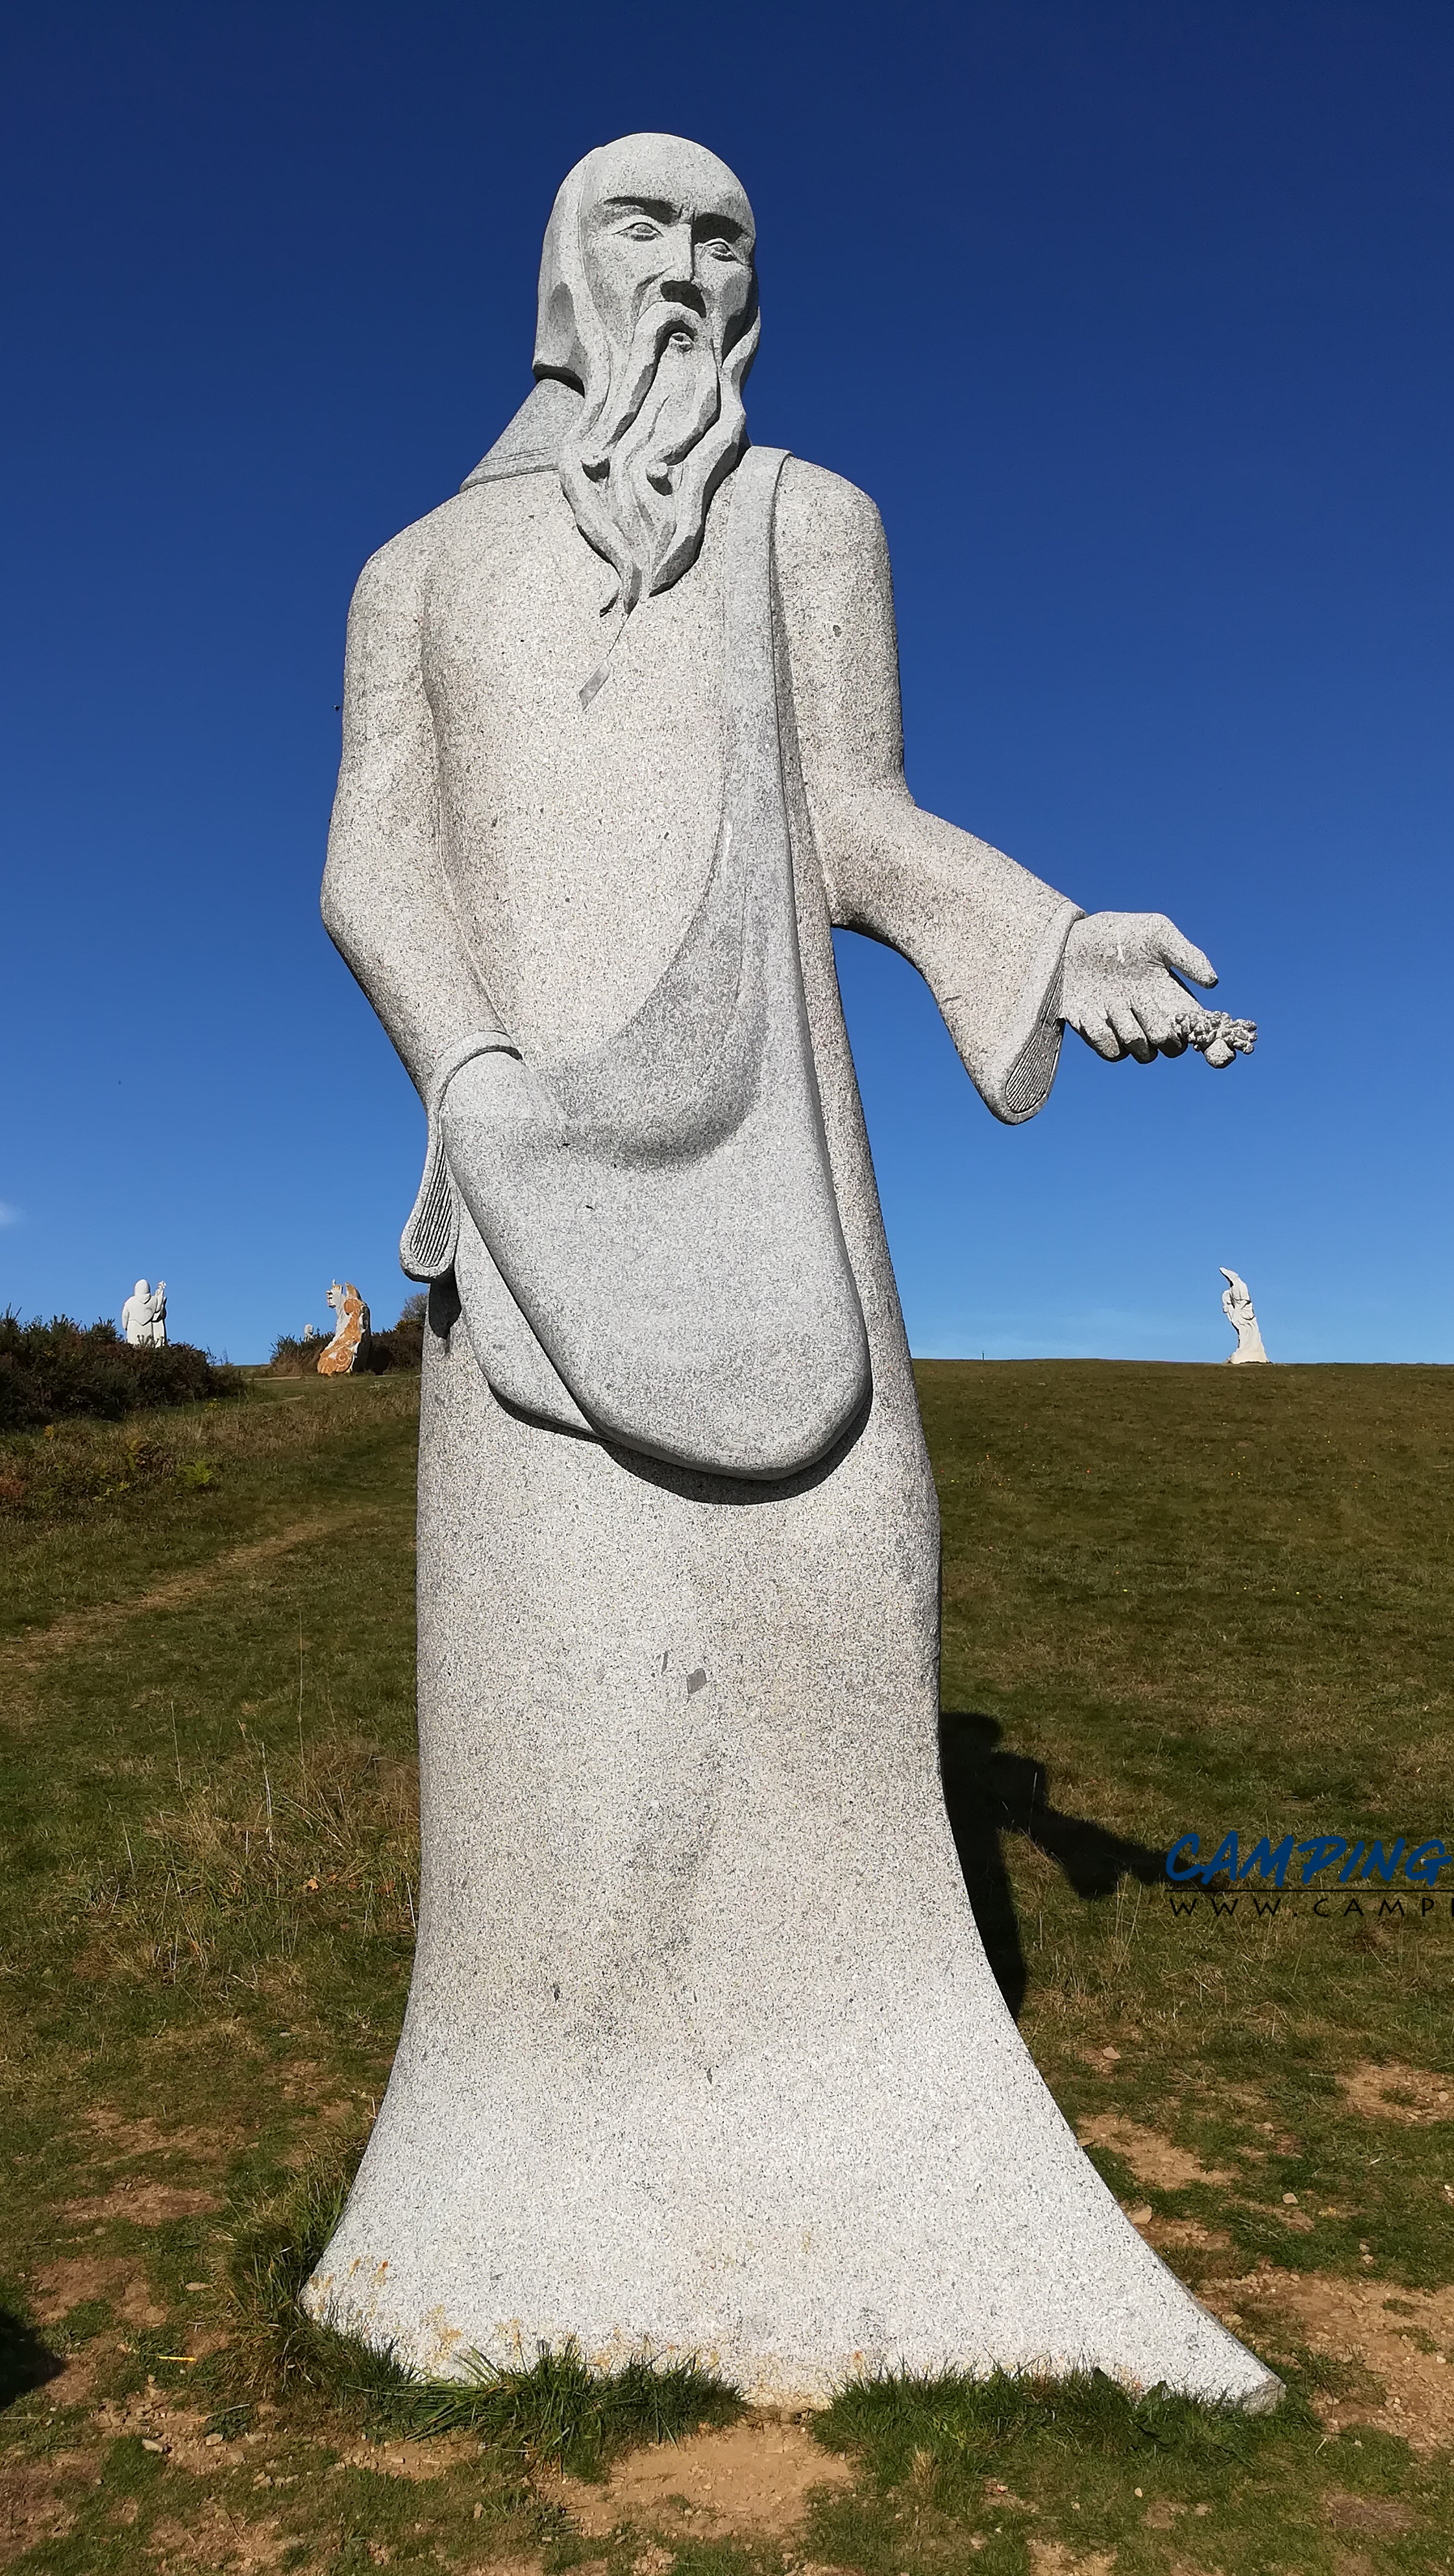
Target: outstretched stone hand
x,y
1121,993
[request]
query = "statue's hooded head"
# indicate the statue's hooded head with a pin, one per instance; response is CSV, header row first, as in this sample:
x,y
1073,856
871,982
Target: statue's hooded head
x,y
648,307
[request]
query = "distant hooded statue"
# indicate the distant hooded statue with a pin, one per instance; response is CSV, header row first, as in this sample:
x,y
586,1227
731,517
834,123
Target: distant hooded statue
x,y
702,2051
1238,1309
144,1315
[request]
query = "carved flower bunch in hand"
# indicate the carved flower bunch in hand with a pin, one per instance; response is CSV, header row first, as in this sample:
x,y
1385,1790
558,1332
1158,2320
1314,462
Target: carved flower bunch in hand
x,y
1218,1036
1123,992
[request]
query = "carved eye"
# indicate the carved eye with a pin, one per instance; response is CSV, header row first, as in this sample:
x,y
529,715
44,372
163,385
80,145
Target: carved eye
x,y
642,230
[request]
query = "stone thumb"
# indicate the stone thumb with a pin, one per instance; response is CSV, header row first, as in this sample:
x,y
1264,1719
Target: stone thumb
x,y
1184,959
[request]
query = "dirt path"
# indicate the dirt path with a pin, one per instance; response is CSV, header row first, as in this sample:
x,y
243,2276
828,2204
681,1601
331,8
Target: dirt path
x,y
31,1652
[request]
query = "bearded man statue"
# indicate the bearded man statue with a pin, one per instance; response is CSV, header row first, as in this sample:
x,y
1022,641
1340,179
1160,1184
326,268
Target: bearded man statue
x,y
702,2053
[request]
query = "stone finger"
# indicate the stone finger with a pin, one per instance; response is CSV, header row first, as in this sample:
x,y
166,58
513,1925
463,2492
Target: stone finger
x,y
1098,1033
1128,1029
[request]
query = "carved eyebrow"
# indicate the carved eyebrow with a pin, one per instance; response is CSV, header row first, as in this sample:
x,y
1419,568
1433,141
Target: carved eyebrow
x,y
661,212
657,207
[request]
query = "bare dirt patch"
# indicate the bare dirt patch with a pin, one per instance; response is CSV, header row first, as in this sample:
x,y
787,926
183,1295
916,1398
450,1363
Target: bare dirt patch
x,y
75,2384
416,2461
217,2541
1407,2093
126,2138
31,2508
145,2204
755,2478
1055,2558
1374,2515
176,2432
1171,2234
1365,2321
67,2284
1151,2158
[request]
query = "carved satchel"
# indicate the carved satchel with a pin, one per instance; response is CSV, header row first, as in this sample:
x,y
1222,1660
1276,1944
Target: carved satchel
x,y
645,1239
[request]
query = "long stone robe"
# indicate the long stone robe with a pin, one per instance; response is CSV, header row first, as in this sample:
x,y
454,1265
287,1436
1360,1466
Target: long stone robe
x,y
702,2051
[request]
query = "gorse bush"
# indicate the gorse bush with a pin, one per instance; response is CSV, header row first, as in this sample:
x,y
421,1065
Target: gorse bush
x,y
176,1463
402,1345
50,1372
60,1477
296,1354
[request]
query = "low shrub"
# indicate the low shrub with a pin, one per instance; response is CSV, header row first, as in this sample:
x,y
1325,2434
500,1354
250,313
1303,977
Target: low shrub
x,y
58,1477
49,1372
402,1345
172,1462
295,1355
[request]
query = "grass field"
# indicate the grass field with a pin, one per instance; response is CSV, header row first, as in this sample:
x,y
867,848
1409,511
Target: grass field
x,y
1175,1600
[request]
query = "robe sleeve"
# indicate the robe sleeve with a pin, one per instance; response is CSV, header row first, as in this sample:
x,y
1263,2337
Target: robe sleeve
x,y
385,905
987,936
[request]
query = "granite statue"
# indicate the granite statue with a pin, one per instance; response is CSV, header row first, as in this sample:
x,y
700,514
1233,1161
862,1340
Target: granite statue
x,y
144,1316
702,2051
349,1347
1238,1309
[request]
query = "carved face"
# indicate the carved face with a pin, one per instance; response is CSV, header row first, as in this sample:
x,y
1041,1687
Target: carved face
x,y
670,234
648,302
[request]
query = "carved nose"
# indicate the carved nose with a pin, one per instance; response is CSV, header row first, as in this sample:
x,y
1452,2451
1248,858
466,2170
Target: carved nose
x,y
676,258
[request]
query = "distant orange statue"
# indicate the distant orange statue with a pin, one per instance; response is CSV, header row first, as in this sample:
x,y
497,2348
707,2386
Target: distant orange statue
x,y
349,1348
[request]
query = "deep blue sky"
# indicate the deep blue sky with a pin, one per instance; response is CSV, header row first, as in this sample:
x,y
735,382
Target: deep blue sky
x,y
1135,322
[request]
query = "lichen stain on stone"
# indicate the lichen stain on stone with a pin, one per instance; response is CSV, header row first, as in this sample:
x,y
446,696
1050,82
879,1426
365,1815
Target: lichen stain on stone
x,y
437,2337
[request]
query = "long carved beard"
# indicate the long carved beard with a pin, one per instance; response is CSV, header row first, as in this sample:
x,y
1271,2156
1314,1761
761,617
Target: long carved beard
x,y
653,444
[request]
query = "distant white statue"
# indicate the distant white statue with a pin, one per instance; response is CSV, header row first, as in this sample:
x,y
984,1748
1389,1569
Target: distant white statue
x,y
1237,1307
144,1316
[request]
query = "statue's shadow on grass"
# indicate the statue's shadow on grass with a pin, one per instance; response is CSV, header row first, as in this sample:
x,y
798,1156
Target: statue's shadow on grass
x,y
990,1793
25,2361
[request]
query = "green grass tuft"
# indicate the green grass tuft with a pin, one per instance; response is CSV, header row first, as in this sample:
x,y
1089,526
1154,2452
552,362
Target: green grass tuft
x,y
276,2238
559,2409
899,2420
556,2409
